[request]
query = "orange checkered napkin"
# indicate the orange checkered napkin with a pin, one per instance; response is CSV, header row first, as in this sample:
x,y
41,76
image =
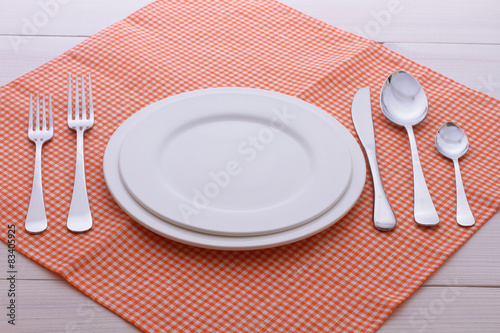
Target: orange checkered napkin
x,y
345,279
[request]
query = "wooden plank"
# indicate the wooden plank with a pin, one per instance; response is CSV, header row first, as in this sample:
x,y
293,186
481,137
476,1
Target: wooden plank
x,y
464,264
476,66
458,21
33,52
49,304
55,306
476,263
63,17
447,309
26,268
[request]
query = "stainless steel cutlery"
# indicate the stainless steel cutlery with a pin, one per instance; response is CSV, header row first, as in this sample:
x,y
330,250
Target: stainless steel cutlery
x,y
80,119
403,102
361,112
40,130
452,142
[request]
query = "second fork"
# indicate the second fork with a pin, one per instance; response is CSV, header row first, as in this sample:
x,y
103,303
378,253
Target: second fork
x,y
79,120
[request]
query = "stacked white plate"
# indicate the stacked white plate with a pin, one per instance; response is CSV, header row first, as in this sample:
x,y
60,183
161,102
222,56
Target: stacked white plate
x,y
234,168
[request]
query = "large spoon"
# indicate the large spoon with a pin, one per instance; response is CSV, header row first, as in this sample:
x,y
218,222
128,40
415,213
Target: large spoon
x,y
404,102
452,142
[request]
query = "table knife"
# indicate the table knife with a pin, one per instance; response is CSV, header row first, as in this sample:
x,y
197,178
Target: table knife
x,y
361,112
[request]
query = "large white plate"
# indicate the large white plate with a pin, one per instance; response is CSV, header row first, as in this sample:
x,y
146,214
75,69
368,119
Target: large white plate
x,y
235,162
187,236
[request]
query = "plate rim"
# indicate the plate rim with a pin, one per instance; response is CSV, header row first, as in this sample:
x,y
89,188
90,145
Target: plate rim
x,y
322,197
237,243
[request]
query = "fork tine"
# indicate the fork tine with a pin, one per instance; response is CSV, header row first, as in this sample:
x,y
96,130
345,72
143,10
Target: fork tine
x,y
91,103
30,123
44,114
77,101
37,120
51,121
70,109
84,109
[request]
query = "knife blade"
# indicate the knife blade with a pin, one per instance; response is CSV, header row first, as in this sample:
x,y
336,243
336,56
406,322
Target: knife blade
x,y
361,113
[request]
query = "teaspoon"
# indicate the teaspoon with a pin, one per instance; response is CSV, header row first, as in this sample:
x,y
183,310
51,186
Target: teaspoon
x,y
403,102
452,142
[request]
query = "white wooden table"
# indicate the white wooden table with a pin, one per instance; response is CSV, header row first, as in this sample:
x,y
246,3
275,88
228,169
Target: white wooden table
x,y
460,39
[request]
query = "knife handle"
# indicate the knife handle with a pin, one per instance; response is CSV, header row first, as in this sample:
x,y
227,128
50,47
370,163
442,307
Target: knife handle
x,y
383,215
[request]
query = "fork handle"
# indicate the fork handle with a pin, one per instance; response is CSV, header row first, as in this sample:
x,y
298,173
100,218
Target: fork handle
x,y
36,219
79,217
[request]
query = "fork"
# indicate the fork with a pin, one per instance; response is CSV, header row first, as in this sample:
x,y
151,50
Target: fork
x,y
79,120
39,132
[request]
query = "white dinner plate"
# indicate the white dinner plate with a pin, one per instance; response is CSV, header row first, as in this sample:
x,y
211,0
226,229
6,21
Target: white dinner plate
x,y
235,162
192,237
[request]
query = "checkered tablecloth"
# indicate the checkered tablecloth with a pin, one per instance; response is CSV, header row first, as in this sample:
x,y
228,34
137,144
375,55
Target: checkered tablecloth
x,y
345,279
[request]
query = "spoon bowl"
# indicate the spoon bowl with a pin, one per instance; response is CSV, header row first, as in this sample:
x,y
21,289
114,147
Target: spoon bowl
x,y
403,99
452,142
403,102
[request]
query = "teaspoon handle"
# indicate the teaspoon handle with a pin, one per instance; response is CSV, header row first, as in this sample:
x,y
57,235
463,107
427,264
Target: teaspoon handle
x,y
424,210
464,214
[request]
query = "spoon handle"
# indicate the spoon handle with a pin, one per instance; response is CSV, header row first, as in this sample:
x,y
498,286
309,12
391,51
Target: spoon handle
x,y
424,210
464,214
